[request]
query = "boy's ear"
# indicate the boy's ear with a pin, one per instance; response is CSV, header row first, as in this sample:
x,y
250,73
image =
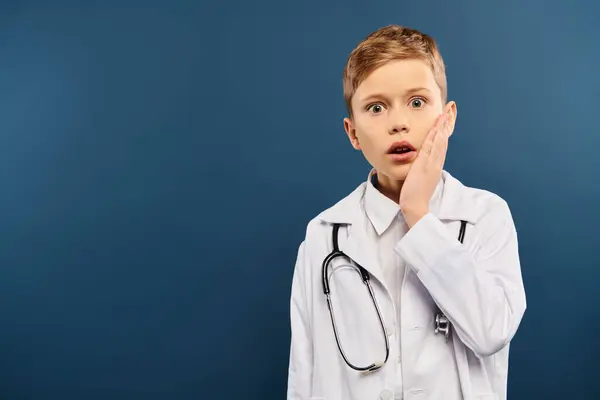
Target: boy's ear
x,y
452,113
351,132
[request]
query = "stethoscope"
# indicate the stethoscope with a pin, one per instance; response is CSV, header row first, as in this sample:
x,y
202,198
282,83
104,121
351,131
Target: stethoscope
x,y
442,325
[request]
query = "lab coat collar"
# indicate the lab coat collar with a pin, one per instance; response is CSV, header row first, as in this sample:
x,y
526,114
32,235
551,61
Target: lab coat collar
x,y
451,201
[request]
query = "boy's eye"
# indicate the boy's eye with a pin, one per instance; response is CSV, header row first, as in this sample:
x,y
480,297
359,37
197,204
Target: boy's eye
x,y
417,103
375,108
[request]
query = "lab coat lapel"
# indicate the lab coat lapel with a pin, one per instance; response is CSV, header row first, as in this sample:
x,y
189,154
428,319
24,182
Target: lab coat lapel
x,y
358,247
349,213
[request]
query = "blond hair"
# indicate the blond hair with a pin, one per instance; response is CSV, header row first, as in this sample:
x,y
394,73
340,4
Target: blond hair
x,y
392,42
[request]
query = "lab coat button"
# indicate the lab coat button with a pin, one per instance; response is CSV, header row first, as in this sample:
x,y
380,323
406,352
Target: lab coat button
x,y
386,394
390,331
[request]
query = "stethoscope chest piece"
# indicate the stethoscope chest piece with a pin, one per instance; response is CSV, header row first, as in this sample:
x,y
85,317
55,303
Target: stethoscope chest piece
x,y
442,325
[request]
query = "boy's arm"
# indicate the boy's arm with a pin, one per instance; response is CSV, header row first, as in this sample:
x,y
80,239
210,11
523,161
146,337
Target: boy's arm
x,y
301,355
481,294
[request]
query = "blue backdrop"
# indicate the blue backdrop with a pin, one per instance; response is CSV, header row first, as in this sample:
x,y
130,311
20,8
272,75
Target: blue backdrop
x,y
159,162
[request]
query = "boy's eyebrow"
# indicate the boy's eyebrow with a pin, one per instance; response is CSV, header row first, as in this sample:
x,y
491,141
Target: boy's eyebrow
x,y
406,93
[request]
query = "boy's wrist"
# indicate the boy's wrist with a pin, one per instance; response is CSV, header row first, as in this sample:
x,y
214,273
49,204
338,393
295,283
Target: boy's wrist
x,y
412,215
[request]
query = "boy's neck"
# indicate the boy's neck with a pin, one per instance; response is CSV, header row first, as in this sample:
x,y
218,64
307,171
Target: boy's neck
x,y
389,188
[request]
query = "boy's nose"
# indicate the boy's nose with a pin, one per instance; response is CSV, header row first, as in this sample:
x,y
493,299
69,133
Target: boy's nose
x,y
398,122
399,127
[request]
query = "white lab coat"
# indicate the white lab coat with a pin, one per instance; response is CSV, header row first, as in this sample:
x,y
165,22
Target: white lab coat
x,y
477,284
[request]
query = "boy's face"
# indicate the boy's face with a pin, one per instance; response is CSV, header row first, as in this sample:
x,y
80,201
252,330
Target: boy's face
x,y
399,101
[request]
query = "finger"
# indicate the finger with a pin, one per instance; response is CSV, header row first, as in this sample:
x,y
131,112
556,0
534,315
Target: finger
x,y
429,142
441,144
443,138
448,130
438,154
435,128
440,134
439,123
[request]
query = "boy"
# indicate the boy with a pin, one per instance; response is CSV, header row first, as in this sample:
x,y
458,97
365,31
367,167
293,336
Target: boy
x,y
422,292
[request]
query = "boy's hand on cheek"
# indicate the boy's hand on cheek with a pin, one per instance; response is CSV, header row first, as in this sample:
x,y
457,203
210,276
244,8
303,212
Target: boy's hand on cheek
x,y
425,172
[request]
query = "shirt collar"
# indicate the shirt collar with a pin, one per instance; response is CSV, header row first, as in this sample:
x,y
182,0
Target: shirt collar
x,y
381,210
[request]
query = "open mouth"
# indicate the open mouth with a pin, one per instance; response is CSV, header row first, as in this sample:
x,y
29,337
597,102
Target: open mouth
x,y
401,148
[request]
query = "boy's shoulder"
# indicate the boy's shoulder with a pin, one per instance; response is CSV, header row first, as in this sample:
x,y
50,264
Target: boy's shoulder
x,y
459,202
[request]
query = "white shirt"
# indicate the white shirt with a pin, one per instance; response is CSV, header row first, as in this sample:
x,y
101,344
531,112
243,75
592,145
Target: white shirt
x,y
387,228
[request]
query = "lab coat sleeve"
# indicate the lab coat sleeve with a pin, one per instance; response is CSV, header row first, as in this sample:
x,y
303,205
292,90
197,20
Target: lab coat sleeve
x,y
301,351
480,291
